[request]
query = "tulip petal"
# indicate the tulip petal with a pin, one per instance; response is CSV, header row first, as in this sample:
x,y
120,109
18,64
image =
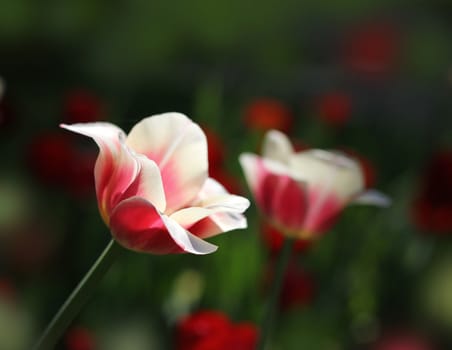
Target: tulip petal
x,y
148,184
280,197
213,195
329,171
216,211
218,223
373,197
116,168
179,148
277,146
137,225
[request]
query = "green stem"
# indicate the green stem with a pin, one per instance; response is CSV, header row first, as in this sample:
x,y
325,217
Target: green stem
x,y
78,298
269,316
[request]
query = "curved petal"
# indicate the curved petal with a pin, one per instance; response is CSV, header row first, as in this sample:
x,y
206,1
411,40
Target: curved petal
x,y
373,197
179,148
213,195
116,168
329,171
216,211
137,225
218,223
280,197
277,147
148,184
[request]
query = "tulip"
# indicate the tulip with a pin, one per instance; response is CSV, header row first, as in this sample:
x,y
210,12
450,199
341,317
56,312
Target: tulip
x,y
212,330
302,193
153,188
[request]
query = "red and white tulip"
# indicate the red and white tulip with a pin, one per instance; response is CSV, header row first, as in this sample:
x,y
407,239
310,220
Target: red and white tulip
x,y
153,188
302,193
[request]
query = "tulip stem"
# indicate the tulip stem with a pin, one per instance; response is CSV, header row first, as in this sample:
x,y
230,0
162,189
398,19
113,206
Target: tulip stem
x,y
272,303
78,298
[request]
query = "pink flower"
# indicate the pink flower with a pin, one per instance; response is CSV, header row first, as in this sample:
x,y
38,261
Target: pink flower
x,y
153,188
302,193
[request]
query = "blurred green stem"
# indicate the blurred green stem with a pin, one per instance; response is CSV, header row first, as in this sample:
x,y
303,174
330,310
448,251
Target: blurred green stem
x,y
78,297
272,304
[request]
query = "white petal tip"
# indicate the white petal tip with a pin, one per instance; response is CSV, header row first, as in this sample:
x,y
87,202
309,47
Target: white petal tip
x,y
374,197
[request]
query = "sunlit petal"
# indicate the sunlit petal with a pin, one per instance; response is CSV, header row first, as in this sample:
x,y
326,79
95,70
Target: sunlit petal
x,y
277,146
179,148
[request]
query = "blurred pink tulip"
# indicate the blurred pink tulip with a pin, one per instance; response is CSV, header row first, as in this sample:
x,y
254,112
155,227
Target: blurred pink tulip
x,y
153,188
302,193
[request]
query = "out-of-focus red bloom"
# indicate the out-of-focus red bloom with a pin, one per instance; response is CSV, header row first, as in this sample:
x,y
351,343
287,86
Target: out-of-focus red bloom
x,y
212,330
369,172
7,290
266,114
334,108
274,240
200,326
81,106
79,180
297,289
372,48
216,149
80,338
49,157
298,286
402,341
433,206
242,336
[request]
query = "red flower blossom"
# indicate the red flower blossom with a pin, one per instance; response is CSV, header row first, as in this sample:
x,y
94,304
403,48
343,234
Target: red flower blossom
x,y
372,48
212,330
81,106
433,206
266,114
297,287
402,341
49,157
216,149
79,338
334,108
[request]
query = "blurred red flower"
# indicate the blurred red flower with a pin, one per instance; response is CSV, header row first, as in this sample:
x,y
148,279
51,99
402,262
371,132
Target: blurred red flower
x,y
334,108
265,114
81,106
54,159
372,48
49,157
212,330
7,290
432,210
298,286
216,149
402,341
274,240
80,338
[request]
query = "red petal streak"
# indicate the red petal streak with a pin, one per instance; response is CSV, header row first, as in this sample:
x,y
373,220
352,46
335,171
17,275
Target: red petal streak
x,y
282,199
323,211
137,225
